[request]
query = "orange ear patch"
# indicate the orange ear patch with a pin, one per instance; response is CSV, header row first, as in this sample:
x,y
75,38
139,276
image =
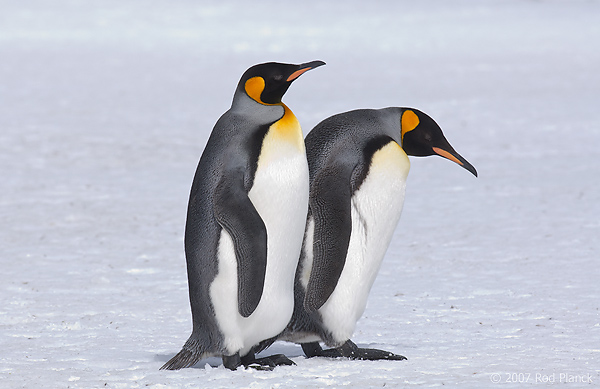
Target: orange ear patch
x,y
409,122
254,87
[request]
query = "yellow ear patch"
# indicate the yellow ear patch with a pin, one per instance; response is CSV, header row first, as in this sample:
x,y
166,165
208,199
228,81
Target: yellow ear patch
x,y
254,87
409,122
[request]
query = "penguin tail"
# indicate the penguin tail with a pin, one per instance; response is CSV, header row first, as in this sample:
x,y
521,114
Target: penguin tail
x,y
189,355
264,345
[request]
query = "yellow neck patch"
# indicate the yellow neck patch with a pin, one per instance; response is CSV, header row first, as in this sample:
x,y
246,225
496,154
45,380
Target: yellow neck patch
x,y
288,129
390,160
283,140
409,122
254,87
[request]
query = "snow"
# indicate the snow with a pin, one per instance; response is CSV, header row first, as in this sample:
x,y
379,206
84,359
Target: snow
x,y
105,108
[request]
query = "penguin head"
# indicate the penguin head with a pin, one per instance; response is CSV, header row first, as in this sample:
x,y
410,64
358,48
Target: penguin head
x,y
266,83
421,136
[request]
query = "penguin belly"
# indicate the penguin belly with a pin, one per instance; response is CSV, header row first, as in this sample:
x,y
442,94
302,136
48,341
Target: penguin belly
x,y
375,210
280,195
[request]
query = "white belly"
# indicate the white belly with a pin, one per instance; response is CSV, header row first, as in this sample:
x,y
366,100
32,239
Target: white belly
x,y
376,209
280,195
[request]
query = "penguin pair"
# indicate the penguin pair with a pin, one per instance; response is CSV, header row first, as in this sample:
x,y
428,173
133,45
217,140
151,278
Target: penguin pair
x,y
259,268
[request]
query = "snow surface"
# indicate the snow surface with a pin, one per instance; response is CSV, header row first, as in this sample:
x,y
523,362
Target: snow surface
x,y
105,108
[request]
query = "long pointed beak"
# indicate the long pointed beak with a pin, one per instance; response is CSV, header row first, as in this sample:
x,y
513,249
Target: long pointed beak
x,y
455,157
305,67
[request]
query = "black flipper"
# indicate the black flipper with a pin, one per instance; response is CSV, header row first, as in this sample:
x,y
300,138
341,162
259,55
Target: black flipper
x,y
330,204
349,350
236,214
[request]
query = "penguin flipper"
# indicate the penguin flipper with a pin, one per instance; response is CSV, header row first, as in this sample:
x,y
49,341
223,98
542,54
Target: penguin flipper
x,y
330,204
236,214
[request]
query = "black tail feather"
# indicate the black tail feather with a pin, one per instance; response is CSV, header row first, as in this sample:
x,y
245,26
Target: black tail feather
x,y
189,355
184,358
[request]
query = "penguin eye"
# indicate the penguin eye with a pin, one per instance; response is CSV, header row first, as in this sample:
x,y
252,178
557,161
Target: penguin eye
x,y
278,77
428,137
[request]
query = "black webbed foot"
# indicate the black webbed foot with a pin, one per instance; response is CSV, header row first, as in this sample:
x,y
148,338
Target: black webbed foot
x,y
314,350
266,363
349,350
232,362
352,351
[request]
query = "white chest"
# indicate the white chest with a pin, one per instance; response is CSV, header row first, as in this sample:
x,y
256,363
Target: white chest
x,y
280,195
376,209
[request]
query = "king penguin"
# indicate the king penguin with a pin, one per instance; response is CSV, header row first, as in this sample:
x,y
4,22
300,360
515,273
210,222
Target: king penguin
x,y
358,167
242,237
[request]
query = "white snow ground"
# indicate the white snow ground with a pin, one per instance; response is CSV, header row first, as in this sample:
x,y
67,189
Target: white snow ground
x,y
104,111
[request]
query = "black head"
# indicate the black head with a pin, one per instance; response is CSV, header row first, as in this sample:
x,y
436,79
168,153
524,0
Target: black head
x,y
267,83
421,136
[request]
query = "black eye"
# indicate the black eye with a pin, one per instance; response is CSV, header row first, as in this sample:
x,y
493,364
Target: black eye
x,y
428,137
278,77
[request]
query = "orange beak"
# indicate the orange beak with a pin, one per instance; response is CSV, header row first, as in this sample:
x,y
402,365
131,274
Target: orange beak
x,y
455,157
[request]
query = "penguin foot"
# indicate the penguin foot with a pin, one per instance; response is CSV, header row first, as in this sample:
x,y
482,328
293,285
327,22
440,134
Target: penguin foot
x,y
232,362
266,363
314,350
349,350
352,351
